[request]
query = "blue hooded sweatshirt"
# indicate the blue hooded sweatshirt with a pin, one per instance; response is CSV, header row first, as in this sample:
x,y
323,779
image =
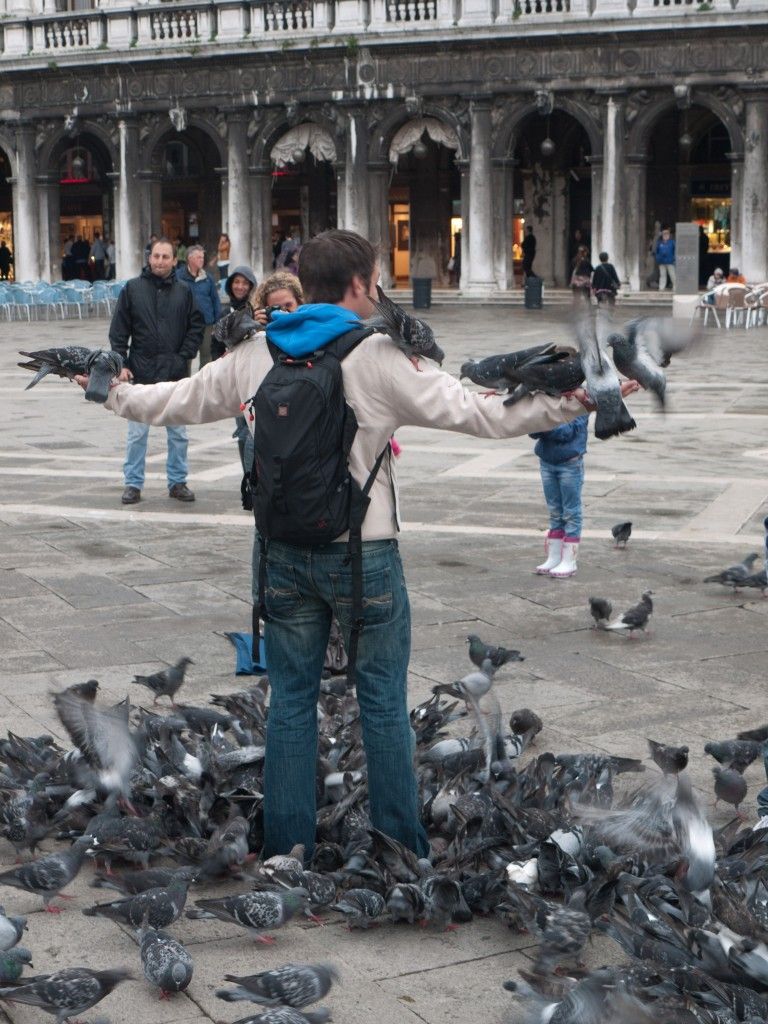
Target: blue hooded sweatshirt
x,y
310,328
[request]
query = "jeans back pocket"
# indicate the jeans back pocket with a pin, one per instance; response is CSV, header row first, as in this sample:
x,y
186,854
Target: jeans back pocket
x,y
281,592
378,600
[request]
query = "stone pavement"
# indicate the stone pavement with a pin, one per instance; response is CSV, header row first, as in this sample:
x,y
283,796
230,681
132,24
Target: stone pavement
x,y
88,588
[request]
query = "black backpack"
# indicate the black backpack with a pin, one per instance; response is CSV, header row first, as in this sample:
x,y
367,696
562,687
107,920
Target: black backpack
x,y
302,490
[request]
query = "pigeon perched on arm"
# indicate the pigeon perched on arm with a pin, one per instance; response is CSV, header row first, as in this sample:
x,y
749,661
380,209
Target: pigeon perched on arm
x,y
601,610
492,371
167,682
236,327
621,533
612,417
67,993
101,366
557,375
635,617
735,575
415,337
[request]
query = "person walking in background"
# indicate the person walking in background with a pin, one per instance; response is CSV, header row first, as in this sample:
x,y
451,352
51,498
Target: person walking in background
x,y
605,281
157,329
665,258
111,257
205,292
561,462
703,253
222,256
181,251
6,259
81,250
98,255
529,251
581,274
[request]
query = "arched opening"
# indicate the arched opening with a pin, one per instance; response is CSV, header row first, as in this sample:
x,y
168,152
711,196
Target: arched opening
x,y
304,194
190,187
425,215
82,164
553,193
689,180
6,214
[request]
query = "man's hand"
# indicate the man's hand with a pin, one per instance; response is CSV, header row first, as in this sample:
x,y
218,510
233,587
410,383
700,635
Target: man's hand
x,y
627,387
125,378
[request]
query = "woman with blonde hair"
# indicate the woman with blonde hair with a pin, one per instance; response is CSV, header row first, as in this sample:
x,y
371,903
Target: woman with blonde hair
x,y
281,289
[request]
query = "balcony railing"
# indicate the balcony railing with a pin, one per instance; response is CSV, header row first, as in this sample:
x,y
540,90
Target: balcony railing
x,y
182,25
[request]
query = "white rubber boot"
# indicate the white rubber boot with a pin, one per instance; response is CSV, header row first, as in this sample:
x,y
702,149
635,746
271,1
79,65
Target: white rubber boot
x,y
553,548
567,566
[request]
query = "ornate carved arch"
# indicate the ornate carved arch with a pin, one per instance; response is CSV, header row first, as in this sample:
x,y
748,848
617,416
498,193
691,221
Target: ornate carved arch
x,y
53,142
505,137
8,147
647,118
149,149
273,130
383,133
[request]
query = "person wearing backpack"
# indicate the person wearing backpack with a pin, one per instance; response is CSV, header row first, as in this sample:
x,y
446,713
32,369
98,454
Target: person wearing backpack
x,y
306,583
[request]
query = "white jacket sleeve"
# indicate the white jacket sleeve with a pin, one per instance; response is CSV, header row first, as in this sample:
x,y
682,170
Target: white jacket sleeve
x,y
212,394
432,398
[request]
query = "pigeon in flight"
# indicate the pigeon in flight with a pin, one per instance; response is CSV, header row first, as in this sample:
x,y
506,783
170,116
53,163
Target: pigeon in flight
x,y
415,337
601,610
660,336
101,366
167,682
635,617
621,533
734,575
671,760
67,993
603,386
635,363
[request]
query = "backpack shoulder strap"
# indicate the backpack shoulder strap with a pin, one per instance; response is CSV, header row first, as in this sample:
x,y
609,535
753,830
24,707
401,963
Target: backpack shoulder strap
x,y
343,345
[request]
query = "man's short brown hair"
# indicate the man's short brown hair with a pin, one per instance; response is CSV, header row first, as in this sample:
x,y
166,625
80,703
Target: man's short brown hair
x,y
162,241
328,262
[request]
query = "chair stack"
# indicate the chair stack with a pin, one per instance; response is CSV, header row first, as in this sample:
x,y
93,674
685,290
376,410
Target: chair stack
x,y
63,300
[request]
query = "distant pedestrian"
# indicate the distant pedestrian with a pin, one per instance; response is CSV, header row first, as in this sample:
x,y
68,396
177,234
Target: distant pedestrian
x,y
157,329
703,253
6,260
288,258
222,256
111,257
561,462
529,251
605,281
81,250
665,257
206,293
181,251
98,256
581,274
715,278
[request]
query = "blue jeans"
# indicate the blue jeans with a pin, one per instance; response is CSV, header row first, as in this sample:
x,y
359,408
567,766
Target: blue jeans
x,y
762,796
562,491
305,587
136,454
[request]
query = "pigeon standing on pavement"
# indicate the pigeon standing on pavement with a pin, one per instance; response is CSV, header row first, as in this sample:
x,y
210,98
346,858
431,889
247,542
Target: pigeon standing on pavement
x,y
621,533
671,760
11,929
167,963
498,656
296,985
635,617
258,912
167,682
737,754
67,993
730,786
12,964
523,721
157,907
48,875
601,610
101,366
415,337
734,575
361,907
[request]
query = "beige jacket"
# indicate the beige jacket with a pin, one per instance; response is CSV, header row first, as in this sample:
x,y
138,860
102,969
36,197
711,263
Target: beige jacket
x,y
380,384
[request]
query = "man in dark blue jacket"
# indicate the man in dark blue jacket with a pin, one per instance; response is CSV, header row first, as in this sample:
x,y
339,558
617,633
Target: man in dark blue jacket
x,y
157,329
205,293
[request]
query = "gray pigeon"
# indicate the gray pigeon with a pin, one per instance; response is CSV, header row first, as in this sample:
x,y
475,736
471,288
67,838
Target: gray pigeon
x,y
415,337
735,575
405,902
256,911
48,875
602,383
12,964
730,786
757,581
492,372
11,929
636,363
101,366
671,760
361,907
621,533
498,656
601,610
635,617
167,682
737,754
445,903
288,1015
156,908
523,721
66,993
296,985
167,963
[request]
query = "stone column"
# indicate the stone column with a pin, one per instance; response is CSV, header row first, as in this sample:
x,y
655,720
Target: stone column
x,y
26,256
354,197
504,211
481,201
238,188
378,218
737,180
261,221
596,228
561,274
49,227
150,207
612,237
636,241
129,243
754,221
463,166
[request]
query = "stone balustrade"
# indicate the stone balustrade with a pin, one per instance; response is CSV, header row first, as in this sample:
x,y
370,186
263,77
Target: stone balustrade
x,y
181,25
